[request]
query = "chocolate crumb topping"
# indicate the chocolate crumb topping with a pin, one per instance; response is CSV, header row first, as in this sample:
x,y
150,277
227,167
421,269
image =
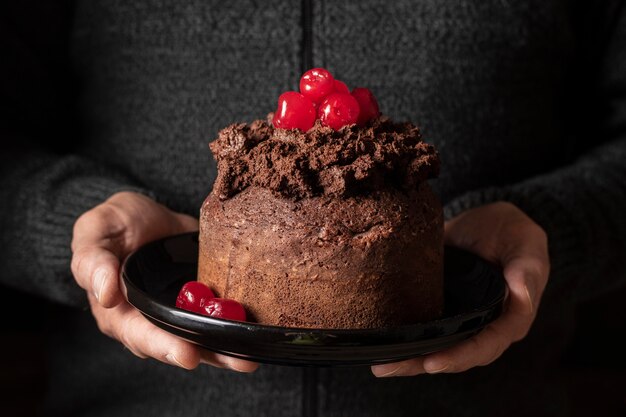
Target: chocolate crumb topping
x,y
322,161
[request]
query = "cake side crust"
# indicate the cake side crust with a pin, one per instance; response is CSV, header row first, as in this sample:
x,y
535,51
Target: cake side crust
x,y
365,261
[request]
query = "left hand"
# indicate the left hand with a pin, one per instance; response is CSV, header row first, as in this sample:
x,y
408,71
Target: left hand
x,y
499,232
103,237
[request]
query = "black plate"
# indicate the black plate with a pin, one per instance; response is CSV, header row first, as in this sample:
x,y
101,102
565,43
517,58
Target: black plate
x,y
474,294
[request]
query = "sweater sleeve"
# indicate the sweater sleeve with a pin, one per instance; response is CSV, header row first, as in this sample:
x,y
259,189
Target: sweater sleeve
x,y
582,207
41,196
45,183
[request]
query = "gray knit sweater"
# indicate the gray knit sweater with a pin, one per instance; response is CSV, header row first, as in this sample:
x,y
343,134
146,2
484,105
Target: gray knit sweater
x,y
525,100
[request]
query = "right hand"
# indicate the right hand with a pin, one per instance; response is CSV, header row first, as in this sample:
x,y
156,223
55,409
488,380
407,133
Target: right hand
x,y
103,237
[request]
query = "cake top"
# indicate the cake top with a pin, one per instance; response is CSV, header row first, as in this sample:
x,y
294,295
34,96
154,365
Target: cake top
x,y
324,140
322,161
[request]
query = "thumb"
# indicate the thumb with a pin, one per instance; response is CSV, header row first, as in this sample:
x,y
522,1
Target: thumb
x,y
186,223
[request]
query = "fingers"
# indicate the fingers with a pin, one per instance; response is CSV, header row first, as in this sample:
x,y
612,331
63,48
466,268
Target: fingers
x,y
144,219
104,235
410,367
97,245
187,223
105,225
228,362
96,271
526,281
526,277
479,350
142,338
146,340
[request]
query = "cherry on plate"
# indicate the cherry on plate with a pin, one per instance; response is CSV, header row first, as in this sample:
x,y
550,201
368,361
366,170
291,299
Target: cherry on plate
x,y
224,308
192,296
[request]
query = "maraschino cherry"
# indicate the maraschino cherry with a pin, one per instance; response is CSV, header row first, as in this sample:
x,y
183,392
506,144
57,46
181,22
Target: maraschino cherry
x,y
198,298
341,87
338,110
224,308
316,84
324,97
192,295
295,111
367,104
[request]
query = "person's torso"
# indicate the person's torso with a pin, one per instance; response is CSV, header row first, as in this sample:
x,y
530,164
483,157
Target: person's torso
x,y
484,80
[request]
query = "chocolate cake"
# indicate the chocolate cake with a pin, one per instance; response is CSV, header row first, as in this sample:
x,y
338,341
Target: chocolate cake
x,y
325,228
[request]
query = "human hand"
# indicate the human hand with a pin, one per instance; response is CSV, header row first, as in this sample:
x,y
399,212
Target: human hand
x,y
499,232
102,238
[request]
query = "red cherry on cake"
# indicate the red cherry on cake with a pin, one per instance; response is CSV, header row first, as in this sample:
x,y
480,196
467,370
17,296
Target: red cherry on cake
x,y
193,295
294,111
341,87
224,308
316,84
367,104
338,110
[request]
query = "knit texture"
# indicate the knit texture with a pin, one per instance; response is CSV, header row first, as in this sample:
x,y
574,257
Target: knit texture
x,y
525,102
45,195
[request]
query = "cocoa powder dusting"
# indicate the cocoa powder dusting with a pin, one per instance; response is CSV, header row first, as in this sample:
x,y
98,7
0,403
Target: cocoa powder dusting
x,y
322,161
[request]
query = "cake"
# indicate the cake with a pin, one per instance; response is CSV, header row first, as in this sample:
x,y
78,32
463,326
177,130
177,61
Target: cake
x,y
314,226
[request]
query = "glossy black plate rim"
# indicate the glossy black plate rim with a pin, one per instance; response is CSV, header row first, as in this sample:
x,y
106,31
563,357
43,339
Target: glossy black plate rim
x,y
304,346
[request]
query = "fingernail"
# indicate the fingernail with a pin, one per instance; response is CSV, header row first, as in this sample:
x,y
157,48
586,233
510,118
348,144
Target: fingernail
x,y
171,358
383,371
234,367
232,363
99,280
435,368
211,363
530,299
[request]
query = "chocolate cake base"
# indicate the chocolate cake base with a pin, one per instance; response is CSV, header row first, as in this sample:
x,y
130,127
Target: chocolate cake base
x,y
367,261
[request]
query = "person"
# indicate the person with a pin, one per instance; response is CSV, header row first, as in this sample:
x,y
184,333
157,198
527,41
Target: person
x,y
109,109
